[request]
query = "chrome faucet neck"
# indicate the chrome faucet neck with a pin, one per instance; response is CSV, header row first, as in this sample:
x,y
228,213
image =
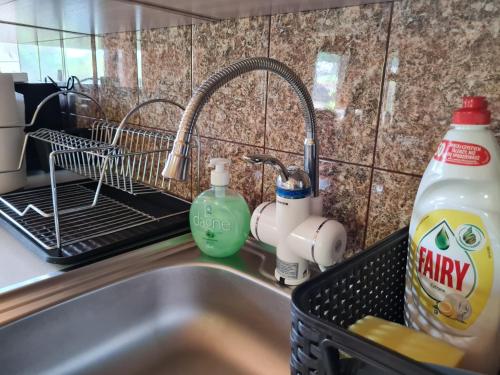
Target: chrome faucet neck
x,y
178,160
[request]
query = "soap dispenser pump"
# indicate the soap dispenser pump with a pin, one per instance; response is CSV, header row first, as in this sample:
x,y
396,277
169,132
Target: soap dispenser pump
x,y
219,217
219,176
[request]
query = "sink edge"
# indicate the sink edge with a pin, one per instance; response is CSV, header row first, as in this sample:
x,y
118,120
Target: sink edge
x,y
253,261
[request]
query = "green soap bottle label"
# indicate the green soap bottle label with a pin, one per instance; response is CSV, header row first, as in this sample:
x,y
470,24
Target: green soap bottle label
x,y
209,223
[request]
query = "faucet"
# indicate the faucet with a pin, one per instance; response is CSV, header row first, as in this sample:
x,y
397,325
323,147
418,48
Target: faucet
x,y
178,159
294,223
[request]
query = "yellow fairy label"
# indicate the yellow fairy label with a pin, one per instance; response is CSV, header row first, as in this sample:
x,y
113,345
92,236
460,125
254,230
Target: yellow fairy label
x,y
452,266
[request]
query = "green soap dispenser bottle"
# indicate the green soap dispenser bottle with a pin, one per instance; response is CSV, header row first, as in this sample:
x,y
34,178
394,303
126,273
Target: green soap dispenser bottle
x,y
219,217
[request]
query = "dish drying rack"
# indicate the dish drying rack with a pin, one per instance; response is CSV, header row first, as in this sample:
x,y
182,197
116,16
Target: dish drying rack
x,y
121,156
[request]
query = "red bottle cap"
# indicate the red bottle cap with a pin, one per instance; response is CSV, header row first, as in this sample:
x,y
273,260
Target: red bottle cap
x,y
473,112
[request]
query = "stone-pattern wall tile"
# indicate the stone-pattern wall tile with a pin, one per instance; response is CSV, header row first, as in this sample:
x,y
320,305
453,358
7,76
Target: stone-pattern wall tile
x,y
78,58
166,73
391,204
439,50
118,101
120,58
78,61
245,178
237,111
81,121
118,91
182,189
339,54
83,106
344,188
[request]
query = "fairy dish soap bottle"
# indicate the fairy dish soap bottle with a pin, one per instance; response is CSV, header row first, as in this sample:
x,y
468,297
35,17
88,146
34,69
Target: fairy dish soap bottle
x,y
219,217
453,273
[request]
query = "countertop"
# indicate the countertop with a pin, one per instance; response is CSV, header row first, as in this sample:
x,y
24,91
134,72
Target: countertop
x,y
18,265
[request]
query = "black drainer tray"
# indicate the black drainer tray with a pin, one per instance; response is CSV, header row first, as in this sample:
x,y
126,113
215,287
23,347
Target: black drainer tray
x,y
90,250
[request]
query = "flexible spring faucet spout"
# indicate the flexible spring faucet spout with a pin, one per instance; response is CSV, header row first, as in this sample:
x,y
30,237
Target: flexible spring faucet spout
x,y
178,160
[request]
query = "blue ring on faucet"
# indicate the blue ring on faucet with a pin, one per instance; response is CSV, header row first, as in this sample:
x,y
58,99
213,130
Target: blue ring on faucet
x,y
293,194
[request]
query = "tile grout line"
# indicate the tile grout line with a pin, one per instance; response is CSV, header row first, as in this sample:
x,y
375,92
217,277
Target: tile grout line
x,y
199,136
95,73
18,55
192,57
301,155
38,56
379,111
416,175
265,107
138,60
322,158
63,56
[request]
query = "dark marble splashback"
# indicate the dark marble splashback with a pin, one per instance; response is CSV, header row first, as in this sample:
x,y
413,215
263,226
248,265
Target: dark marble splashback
x,y
438,52
384,79
165,67
237,111
339,54
118,88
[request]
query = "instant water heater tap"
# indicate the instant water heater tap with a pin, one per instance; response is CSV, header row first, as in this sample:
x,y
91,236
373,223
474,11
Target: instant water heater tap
x,y
289,224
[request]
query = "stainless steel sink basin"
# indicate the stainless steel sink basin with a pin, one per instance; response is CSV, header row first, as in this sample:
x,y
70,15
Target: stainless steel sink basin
x,y
165,313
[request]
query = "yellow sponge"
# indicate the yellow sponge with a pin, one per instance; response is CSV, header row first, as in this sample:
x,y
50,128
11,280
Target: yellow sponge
x,y
406,341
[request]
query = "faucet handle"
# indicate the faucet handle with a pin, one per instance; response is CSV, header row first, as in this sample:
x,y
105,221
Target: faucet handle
x,y
268,159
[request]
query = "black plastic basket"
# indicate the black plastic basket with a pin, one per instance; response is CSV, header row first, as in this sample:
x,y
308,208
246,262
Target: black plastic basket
x,y
370,283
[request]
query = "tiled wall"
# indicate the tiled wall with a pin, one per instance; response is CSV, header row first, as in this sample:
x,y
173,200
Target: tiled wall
x,y
384,79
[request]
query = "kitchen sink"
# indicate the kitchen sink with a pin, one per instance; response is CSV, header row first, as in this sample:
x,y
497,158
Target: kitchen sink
x,y
168,312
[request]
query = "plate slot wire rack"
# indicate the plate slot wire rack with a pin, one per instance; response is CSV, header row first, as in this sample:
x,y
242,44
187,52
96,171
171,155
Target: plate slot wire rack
x,y
122,156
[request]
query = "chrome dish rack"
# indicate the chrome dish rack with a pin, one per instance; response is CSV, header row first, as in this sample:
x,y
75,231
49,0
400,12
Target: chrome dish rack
x,y
121,156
